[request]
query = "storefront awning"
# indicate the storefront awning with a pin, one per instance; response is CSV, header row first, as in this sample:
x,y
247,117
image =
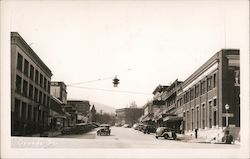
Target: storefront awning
x,y
172,118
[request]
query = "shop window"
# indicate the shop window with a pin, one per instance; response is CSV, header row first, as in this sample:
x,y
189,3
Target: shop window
x,y
19,62
18,84
26,67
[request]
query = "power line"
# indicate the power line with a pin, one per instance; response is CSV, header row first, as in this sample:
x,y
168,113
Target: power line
x,y
108,90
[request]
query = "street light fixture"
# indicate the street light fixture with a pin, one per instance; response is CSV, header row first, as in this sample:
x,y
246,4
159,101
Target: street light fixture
x,y
227,108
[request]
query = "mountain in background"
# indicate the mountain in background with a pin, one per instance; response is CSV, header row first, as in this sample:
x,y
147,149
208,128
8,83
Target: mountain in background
x,y
102,107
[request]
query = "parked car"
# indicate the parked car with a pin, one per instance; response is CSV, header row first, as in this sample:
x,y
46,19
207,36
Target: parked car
x,y
140,127
104,130
165,132
69,130
147,129
136,126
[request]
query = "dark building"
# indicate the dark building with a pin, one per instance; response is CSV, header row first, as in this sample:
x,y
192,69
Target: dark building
x,y
203,96
30,89
128,115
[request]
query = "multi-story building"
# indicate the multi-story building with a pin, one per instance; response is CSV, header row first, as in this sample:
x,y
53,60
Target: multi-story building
x,y
82,107
128,115
203,95
30,89
58,90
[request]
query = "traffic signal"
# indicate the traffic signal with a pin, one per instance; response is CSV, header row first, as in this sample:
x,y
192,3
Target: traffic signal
x,y
116,81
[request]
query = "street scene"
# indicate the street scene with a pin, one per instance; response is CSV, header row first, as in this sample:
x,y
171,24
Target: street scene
x,y
126,75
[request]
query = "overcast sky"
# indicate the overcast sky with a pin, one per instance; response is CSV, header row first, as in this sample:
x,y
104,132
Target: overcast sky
x,y
144,43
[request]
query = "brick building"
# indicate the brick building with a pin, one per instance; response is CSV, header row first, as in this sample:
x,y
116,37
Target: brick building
x,y
30,89
203,95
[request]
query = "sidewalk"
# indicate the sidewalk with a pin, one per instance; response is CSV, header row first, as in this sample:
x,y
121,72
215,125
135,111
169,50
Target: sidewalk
x,y
48,134
191,139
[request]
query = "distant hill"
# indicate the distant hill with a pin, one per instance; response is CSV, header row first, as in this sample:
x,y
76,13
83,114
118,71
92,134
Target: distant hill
x,y
102,107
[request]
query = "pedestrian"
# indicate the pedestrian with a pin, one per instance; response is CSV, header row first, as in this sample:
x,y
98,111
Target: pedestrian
x,y
196,133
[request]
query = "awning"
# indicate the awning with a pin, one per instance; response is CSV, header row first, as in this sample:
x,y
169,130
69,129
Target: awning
x,y
172,118
59,116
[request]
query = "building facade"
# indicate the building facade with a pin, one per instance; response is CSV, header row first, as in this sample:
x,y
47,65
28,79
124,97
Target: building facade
x,y
58,90
82,108
128,115
30,89
203,95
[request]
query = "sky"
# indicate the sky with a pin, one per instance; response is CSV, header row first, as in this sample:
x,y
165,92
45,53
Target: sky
x,y
144,43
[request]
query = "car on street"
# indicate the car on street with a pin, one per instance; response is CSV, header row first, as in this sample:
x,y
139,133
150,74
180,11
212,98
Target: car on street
x,y
104,130
136,126
140,127
165,132
147,129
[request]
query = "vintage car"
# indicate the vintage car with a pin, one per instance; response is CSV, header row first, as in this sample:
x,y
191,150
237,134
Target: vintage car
x,y
104,130
148,129
165,132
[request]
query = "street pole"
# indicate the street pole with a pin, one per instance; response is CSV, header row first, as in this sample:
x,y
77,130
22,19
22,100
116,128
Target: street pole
x,y
227,108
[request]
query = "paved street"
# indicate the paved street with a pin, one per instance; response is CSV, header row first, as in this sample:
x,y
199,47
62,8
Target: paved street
x,y
120,138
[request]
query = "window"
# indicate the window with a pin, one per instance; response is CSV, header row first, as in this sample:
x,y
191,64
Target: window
x,y
214,80
29,112
44,83
215,121
35,114
31,91
23,111
188,97
203,116
210,113
197,117
44,99
36,94
192,119
48,99
36,77
18,83
203,89
26,67
215,102
19,62
48,87
25,88
41,80
192,94
17,109
31,72
197,92
40,97
209,83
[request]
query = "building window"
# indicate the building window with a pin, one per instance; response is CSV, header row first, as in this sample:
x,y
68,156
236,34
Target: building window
x,y
192,94
36,76
26,67
192,119
197,117
210,113
48,99
41,80
48,87
237,77
44,83
35,114
215,121
181,101
203,89
31,72
24,111
17,109
203,116
215,102
214,80
187,96
19,62
40,97
29,112
31,91
25,88
18,84
44,99
36,94
197,92
209,83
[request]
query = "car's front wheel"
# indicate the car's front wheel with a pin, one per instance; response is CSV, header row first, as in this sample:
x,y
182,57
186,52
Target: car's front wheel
x,y
166,136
